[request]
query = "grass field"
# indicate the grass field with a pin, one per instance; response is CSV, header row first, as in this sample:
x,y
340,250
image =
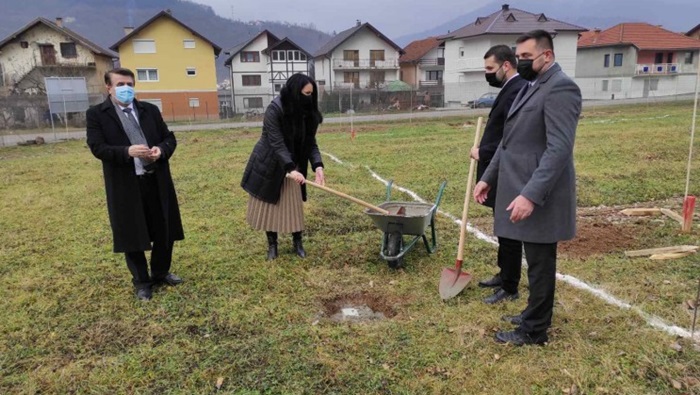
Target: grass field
x,y
69,322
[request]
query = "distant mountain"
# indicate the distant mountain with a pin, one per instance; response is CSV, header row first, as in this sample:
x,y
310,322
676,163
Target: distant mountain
x,y
673,15
103,22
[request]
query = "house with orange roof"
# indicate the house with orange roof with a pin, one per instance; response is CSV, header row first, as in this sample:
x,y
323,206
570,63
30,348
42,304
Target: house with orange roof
x,y
422,66
632,60
694,32
465,48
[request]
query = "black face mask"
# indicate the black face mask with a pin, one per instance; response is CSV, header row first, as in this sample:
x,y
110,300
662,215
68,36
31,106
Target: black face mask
x,y
306,101
492,79
525,68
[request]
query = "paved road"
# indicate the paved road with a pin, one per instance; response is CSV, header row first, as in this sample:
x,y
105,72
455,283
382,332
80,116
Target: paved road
x,y
49,136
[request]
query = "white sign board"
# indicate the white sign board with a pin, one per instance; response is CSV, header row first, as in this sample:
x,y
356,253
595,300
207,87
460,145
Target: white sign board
x,y
67,94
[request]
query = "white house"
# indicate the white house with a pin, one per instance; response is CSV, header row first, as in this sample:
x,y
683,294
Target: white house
x,y
465,49
360,57
632,60
259,68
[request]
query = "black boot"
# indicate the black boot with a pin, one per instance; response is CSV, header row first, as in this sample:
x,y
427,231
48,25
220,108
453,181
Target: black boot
x,y
271,245
298,247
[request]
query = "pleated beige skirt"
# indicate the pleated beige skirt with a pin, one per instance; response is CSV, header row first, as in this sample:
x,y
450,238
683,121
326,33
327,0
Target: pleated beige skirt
x,y
287,216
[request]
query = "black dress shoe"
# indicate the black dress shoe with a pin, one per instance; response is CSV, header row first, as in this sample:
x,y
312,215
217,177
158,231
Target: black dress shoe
x,y
513,319
169,279
144,293
519,338
493,282
501,295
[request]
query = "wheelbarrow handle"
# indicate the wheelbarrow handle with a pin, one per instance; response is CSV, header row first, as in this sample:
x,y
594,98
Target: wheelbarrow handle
x,y
346,196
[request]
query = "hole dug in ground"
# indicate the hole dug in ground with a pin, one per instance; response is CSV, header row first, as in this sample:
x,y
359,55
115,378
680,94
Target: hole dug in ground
x,y
358,307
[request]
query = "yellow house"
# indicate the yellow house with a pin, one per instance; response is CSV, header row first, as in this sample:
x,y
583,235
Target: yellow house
x,y
174,66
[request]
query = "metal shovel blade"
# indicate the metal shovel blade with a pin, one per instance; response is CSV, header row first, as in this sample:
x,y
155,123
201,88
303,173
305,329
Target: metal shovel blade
x,y
452,282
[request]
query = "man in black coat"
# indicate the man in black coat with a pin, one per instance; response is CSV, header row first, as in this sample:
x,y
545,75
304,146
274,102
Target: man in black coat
x,y
500,66
134,144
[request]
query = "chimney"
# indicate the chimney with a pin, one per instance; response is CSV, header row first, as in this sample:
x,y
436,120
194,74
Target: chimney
x,y
169,11
596,33
59,22
505,7
128,30
358,22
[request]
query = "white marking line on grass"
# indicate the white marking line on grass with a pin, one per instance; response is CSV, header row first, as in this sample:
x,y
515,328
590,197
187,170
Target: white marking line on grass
x,y
333,158
652,320
609,120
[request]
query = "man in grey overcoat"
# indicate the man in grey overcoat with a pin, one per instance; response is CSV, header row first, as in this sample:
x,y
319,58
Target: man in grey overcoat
x,y
534,166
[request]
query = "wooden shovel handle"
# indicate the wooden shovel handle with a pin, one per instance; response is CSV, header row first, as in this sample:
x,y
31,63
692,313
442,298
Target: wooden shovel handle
x,y
346,196
467,195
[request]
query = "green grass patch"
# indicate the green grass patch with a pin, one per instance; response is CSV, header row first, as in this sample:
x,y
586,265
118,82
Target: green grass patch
x,y
69,322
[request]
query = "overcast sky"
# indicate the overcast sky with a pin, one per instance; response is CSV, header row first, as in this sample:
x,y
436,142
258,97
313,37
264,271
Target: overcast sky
x,y
391,17
396,18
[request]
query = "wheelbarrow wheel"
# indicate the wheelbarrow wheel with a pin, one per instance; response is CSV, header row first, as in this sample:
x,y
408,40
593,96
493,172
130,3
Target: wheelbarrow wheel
x,y
393,248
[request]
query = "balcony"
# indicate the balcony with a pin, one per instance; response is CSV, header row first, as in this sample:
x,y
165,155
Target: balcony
x,y
432,62
361,64
431,83
658,69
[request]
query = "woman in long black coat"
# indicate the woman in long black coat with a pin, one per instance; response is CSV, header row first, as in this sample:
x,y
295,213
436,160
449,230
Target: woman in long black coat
x,y
286,147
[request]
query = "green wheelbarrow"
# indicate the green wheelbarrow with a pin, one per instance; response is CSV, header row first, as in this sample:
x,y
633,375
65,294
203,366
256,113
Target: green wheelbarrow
x,y
412,219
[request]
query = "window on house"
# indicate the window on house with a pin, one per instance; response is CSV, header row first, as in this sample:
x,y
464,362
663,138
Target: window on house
x,y
688,58
352,55
375,55
606,60
461,52
68,50
191,71
188,43
605,86
194,102
149,75
144,46
252,102
618,60
617,85
278,55
321,82
278,87
658,58
250,56
435,75
24,44
302,56
352,78
252,80
669,57
156,102
376,78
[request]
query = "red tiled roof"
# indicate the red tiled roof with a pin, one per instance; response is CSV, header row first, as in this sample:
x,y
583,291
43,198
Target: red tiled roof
x,y
417,49
642,35
693,30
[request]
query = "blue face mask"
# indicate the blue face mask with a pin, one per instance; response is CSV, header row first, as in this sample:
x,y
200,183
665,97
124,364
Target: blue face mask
x,y
124,94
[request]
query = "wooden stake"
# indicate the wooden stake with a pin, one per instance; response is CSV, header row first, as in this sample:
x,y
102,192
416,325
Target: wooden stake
x,y
672,255
695,312
673,215
688,210
635,212
661,250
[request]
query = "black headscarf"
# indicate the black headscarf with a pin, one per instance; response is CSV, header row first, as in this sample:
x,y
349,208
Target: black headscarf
x,y
300,113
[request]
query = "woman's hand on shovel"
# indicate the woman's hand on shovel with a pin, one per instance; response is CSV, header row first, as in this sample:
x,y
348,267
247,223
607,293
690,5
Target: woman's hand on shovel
x,y
297,177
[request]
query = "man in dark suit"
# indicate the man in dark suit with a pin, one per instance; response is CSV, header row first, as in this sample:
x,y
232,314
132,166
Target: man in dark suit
x,y
500,67
534,166
134,144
